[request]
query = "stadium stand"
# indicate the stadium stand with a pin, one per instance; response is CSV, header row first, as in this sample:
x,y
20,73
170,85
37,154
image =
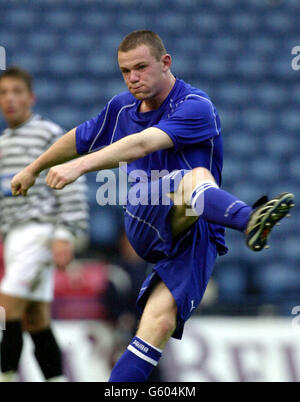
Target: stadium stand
x,y
242,60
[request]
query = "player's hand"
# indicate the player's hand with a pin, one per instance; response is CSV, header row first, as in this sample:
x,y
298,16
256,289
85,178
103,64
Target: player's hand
x,y
63,253
22,182
61,175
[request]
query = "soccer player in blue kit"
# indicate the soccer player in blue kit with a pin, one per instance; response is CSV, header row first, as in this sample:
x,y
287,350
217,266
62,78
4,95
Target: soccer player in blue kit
x,y
161,123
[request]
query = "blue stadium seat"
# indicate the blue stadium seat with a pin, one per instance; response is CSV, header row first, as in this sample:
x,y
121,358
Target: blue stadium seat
x,y
20,18
227,45
280,23
231,281
294,167
86,89
63,64
67,116
205,23
101,63
271,94
248,190
61,19
240,143
10,40
262,45
243,22
290,119
82,43
96,20
277,146
278,278
234,93
183,65
264,169
132,21
41,41
105,226
281,66
208,66
250,67
257,119
48,90
27,60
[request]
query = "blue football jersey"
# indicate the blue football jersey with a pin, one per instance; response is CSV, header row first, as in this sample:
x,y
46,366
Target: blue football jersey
x,y
187,115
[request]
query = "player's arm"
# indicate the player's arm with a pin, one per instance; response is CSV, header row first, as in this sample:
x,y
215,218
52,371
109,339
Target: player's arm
x,y
127,149
61,151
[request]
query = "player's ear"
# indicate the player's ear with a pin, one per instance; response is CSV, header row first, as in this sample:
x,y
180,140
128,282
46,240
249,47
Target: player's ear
x,y
166,60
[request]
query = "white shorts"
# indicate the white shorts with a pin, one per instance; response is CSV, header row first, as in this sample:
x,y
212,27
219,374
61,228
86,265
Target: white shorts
x,y
28,262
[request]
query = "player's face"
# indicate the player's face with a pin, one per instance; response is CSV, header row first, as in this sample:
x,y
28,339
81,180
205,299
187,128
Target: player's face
x,y
142,73
16,100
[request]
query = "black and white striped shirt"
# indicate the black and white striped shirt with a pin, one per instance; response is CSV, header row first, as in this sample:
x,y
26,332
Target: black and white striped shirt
x,y
67,209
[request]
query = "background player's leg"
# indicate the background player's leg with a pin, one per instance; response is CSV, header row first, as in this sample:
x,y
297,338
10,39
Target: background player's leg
x,y
157,324
12,337
36,321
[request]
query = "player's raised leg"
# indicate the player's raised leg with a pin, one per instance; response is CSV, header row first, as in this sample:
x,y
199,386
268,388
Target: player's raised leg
x,y
157,324
199,191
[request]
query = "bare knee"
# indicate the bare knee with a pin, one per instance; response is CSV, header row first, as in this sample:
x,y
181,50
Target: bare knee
x,y
13,306
188,183
182,218
36,317
193,179
158,321
157,330
165,325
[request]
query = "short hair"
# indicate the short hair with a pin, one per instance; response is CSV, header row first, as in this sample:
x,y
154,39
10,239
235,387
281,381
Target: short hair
x,y
143,37
17,72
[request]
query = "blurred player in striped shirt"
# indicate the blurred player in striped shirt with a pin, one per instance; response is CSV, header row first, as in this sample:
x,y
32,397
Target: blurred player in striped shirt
x,y
39,231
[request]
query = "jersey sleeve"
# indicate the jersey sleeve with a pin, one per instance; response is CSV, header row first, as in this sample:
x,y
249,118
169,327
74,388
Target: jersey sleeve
x,y
94,133
193,121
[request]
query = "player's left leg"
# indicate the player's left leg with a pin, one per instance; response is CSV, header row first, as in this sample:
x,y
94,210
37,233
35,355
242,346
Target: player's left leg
x,y
37,321
199,195
12,338
157,324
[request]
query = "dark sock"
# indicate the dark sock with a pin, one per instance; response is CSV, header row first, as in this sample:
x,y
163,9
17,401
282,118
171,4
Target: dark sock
x,y
136,363
47,353
11,346
218,206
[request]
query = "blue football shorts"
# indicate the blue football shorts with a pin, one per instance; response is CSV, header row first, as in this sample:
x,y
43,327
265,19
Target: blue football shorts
x,y
184,265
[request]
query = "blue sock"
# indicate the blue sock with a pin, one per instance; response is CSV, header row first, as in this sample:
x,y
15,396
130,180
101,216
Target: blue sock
x,y
136,363
218,206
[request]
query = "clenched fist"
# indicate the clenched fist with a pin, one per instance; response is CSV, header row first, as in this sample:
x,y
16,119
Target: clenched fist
x,y
22,182
61,175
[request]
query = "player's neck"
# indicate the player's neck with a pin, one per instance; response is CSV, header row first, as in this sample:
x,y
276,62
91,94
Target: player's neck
x,y
21,121
154,103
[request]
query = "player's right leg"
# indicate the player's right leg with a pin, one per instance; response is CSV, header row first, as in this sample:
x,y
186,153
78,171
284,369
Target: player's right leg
x,y
12,337
157,325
